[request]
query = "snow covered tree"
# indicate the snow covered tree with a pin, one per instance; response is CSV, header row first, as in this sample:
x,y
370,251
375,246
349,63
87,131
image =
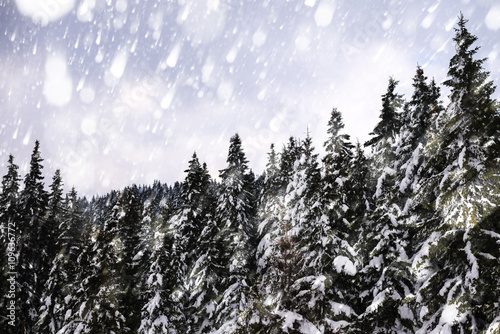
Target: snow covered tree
x,y
390,121
57,293
187,226
417,131
270,211
303,186
335,175
130,257
50,229
98,306
9,197
358,192
461,182
33,205
208,275
384,247
234,214
50,299
9,217
289,155
304,297
188,223
162,312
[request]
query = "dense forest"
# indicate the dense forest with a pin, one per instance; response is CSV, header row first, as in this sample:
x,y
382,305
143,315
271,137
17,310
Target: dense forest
x,y
399,235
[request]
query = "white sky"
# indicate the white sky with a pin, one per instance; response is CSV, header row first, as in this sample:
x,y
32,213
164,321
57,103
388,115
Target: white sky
x,y
124,91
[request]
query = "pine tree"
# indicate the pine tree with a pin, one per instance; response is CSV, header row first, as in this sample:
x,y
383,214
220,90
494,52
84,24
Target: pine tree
x,y
390,121
33,205
384,244
305,296
51,298
58,291
9,217
336,175
98,305
208,274
189,221
452,263
270,211
234,215
130,265
162,312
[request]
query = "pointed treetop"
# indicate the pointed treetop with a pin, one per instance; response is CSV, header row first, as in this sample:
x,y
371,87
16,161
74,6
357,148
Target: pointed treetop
x,y
336,141
236,156
196,180
10,181
272,162
335,124
389,118
466,74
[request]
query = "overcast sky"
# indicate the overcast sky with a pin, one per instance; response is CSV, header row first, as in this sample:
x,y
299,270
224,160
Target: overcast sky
x,y
124,91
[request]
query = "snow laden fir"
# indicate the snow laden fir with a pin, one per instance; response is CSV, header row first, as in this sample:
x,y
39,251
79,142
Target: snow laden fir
x,y
402,236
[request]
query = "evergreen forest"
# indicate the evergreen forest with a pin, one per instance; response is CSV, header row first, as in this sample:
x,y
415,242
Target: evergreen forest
x,y
400,234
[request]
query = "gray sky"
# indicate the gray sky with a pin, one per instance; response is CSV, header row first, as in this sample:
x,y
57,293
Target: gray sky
x,y
122,92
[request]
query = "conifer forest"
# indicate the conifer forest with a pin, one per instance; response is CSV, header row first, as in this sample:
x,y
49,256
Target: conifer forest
x,y
400,234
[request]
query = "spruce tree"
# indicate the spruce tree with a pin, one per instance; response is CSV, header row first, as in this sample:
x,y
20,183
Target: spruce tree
x,y
33,206
384,279
390,121
99,303
162,311
358,192
452,264
234,216
270,212
189,221
206,271
336,175
58,290
187,227
300,295
208,274
9,218
131,257
51,298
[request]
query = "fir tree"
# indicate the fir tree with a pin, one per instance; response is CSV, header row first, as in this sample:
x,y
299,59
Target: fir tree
x,y
451,263
162,312
51,296
234,215
188,222
390,121
130,265
33,205
98,305
187,226
208,275
384,247
336,174
9,217
58,290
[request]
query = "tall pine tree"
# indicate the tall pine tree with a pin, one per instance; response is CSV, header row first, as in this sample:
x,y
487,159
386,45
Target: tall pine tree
x,y
33,206
234,213
462,180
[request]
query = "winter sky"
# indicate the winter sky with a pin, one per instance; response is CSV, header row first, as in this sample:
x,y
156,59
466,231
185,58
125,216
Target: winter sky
x,y
124,91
